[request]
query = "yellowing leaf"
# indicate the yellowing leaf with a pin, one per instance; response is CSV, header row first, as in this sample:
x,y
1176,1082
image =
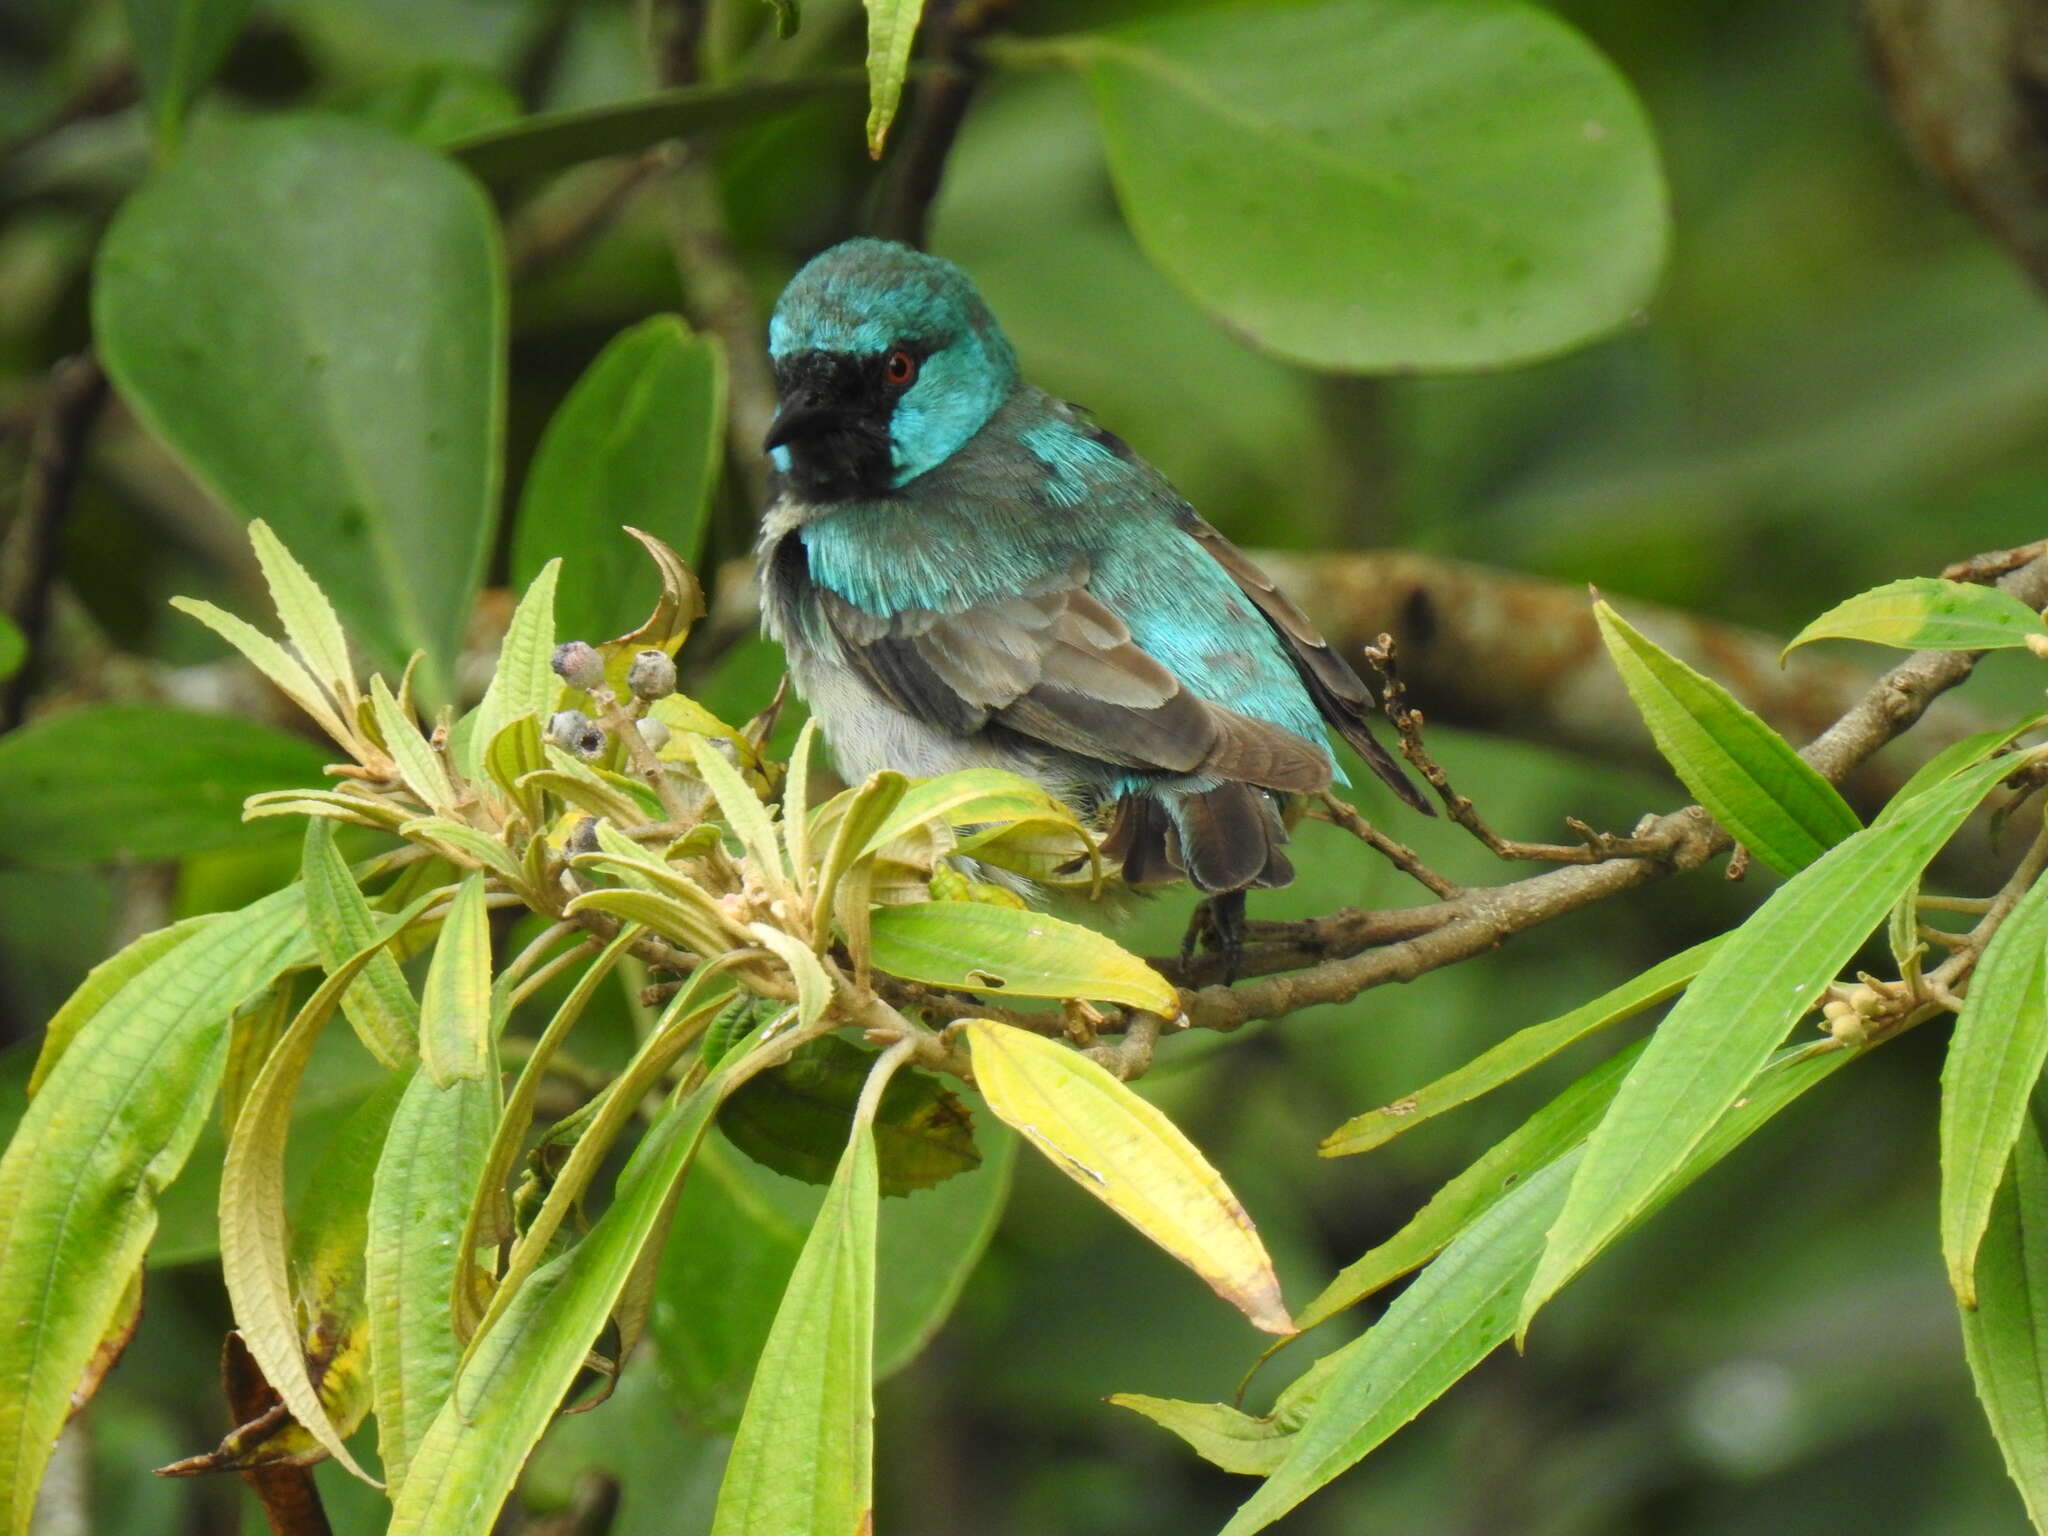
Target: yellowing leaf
x,y
1130,1157
1012,951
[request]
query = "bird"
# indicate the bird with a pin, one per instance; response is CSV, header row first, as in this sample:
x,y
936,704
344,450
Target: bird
x,y
966,571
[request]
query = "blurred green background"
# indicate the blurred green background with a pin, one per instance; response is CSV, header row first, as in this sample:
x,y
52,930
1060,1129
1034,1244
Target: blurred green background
x,y
1841,381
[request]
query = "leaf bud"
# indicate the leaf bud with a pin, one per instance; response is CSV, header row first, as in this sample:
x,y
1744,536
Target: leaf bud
x,y
652,674
573,731
579,665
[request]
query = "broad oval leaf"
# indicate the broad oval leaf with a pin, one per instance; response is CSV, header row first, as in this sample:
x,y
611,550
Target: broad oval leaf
x,y
638,440
1515,1055
1012,952
1478,184
118,1113
1926,613
1757,986
311,312
1994,1060
2005,1337
137,781
1129,1156
1762,791
802,1461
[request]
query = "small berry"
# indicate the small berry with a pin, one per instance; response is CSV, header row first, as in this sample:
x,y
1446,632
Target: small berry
x,y
652,674
573,731
653,732
579,665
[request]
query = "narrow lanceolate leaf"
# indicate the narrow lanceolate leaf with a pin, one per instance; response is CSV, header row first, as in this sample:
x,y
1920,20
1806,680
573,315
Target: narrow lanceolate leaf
x,y
1744,772
418,763
380,1006
519,1370
1955,757
1751,993
1463,1306
1515,1055
117,1113
177,45
892,28
1131,1157
1994,1061
418,1209
307,618
1553,1130
455,1011
274,662
860,812
802,1462
524,682
1455,1314
253,1235
102,983
1925,613
742,809
2006,1336
1014,952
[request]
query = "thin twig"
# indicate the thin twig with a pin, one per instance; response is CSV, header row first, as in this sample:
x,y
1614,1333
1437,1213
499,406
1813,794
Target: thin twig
x,y
1400,855
28,565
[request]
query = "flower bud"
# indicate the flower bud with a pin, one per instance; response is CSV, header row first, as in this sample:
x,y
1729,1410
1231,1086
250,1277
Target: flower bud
x,y
652,674
579,665
2038,644
573,731
653,732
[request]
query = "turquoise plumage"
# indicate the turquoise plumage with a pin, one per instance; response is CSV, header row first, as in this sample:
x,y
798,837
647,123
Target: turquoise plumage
x,y
966,571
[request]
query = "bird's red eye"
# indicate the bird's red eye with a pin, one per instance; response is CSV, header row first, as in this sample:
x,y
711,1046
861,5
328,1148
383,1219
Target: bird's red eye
x,y
900,369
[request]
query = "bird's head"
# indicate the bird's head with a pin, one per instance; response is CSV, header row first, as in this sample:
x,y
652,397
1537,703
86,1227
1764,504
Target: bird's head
x,y
886,361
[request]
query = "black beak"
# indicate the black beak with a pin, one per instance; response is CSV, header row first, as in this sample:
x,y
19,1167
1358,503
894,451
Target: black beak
x,y
802,415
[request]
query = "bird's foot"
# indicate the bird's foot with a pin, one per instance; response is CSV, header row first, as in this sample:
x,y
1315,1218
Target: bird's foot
x,y
1218,926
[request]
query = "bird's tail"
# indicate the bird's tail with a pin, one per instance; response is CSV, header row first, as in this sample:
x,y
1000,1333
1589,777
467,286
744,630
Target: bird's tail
x,y
1227,838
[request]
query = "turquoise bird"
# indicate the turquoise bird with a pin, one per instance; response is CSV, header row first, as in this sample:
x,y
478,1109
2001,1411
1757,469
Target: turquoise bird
x,y
966,572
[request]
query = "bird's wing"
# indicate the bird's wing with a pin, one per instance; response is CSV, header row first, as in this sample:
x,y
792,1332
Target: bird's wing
x,y
1059,667
1340,694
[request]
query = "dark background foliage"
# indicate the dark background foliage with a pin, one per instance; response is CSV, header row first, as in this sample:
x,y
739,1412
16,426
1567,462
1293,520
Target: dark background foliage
x,y
1840,381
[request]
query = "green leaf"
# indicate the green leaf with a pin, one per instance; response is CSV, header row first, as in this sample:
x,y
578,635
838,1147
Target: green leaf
x,y
254,1256
1925,613
640,439
118,1114
892,29
524,682
464,846
1553,1130
1956,756
1994,1061
1014,953
796,1118
436,104
2005,1338
276,663
380,1006
741,808
803,1459
311,313
418,1210
518,1370
419,765
177,45
1744,772
1479,185
455,1008
13,648
1464,1305
135,781
310,624
553,141
1515,1055
742,1229
102,983
1759,983
1129,1156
